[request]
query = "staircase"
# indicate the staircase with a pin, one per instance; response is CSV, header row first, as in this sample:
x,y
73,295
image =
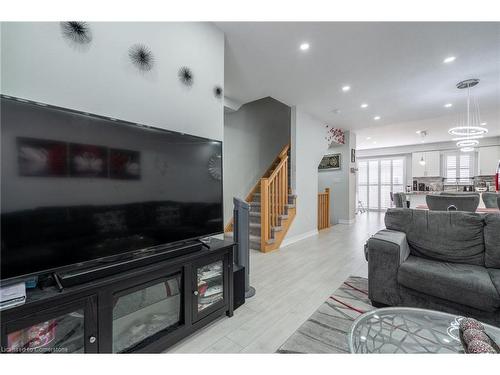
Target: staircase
x,y
272,206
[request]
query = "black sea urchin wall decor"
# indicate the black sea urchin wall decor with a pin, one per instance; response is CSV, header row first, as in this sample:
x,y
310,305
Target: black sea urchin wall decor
x,y
141,56
76,31
186,76
218,92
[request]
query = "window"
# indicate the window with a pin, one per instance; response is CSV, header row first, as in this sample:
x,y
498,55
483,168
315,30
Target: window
x,y
377,178
458,167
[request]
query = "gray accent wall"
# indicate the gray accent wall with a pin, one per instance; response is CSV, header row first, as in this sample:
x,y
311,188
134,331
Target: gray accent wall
x,y
253,137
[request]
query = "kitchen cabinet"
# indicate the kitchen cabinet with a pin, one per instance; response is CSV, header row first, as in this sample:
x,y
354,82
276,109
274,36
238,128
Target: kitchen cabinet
x,y
488,159
432,167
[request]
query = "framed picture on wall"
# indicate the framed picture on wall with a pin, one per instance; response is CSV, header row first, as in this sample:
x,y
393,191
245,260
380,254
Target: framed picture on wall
x,y
124,164
42,157
353,155
88,160
330,162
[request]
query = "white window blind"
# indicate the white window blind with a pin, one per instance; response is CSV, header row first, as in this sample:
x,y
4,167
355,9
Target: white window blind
x,y
465,172
458,168
377,178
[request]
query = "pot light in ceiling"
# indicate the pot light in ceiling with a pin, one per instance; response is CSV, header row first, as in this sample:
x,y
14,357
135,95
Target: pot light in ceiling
x,y
346,88
364,105
368,138
448,105
484,124
449,59
304,46
376,118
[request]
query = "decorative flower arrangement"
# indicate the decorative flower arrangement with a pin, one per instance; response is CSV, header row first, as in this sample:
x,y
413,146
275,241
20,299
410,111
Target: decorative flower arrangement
x,y
335,135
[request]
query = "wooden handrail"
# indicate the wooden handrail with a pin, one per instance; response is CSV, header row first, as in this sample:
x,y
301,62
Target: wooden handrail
x,y
278,167
324,209
273,199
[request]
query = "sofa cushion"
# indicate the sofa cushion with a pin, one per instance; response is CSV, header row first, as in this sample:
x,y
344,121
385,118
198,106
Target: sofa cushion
x,y
492,240
461,283
495,277
447,236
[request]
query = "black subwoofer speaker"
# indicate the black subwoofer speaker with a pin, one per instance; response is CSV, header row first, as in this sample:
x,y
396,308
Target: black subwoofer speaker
x,y
239,286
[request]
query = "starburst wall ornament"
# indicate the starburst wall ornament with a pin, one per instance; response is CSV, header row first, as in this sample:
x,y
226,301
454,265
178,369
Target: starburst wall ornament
x,y
76,31
186,76
141,56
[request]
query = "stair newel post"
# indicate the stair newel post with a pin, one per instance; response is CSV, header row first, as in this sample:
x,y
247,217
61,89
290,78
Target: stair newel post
x,y
280,188
264,212
283,189
286,181
275,183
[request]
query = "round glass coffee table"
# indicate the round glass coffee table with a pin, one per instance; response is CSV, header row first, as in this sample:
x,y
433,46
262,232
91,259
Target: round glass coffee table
x,y
408,330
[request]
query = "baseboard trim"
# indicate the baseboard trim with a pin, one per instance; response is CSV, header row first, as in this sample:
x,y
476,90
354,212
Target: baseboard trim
x,y
342,221
299,237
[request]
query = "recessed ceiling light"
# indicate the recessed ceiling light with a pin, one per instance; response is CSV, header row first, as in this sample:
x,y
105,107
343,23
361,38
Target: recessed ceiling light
x,y
449,59
368,138
364,105
484,123
448,105
304,46
346,88
422,141
376,118
374,142
418,131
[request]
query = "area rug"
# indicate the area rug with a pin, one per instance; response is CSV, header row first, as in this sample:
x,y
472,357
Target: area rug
x,y
327,329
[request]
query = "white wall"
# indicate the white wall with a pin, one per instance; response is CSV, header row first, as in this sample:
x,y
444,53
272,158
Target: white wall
x,y
341,183
253,137
40,65
307,148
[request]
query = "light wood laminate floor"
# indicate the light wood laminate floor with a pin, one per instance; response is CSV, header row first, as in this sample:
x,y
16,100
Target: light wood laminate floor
x,y
291,284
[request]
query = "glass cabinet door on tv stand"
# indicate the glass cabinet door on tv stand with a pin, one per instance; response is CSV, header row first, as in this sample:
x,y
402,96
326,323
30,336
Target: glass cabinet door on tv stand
x,y
69,328
141,312
210,287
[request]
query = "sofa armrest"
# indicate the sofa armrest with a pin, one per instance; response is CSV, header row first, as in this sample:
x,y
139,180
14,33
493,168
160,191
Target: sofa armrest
x,y
386,250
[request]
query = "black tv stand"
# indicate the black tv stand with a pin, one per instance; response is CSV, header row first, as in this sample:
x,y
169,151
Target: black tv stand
x,y
143,309
108,267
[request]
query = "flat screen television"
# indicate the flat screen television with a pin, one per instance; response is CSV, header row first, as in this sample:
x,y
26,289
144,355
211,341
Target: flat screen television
x,y
78,187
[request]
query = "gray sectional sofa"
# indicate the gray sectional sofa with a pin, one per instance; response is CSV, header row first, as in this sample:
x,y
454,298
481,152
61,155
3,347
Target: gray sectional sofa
x,y
446,261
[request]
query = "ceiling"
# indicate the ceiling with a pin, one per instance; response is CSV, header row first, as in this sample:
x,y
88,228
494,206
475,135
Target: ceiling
x,y
396,68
